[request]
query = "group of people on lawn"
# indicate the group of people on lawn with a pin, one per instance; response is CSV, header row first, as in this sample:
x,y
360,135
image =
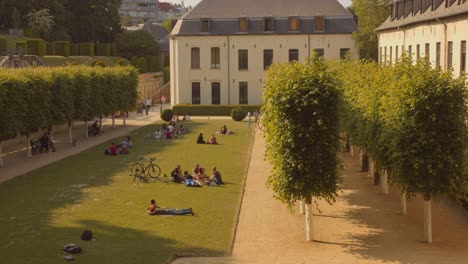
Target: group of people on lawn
x,y
197,178
121,148
169,131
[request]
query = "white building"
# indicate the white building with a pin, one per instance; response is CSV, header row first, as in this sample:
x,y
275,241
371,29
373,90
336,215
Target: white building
x,y
221,48
437,29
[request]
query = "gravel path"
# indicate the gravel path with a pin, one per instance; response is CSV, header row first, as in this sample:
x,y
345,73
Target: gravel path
x,y
363,226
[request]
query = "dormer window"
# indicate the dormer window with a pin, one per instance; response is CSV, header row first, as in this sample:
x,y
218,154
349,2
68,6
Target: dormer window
x,y
243,24
319,24
293,24
205,25
268,24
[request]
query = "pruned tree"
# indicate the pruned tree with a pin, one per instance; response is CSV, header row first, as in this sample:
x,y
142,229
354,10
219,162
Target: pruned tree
x,y
301,120
41,20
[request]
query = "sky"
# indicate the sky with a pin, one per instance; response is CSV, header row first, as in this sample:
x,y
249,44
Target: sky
x,y
194,2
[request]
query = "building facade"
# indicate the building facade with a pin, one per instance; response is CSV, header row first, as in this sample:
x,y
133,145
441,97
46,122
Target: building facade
x,y
436,29
140,10
221,49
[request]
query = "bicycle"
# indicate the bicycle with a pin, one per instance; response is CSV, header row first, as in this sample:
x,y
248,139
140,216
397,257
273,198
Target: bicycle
x,y
147,172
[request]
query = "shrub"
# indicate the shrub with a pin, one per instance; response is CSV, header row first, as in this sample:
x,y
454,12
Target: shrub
x,y
103,49
113,49
87,49
31,33
238,114
211,110
36,47
142,66
50,49
98,63
75,49
121,62
134,61
167,115
167,74
3,46
155,64
62,48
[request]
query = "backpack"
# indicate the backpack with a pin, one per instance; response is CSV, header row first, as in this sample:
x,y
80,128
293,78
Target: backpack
x,y
72,248
87,235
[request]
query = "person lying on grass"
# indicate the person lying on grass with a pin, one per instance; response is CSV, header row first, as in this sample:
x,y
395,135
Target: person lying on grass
x,y
153,209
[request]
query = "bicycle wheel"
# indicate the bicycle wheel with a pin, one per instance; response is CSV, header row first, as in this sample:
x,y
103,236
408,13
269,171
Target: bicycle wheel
x,y
136,169
153,171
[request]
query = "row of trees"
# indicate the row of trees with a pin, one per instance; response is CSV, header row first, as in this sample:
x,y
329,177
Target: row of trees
x,y
409,119
36,98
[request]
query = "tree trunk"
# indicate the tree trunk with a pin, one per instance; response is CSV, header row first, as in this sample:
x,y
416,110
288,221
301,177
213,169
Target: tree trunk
x,y
51,133
70,131
301,207
1,158
351,150
403,203
384,182
29,145
100,125
361,159
427,220
86,128
309,222
113,120
371,169
125,119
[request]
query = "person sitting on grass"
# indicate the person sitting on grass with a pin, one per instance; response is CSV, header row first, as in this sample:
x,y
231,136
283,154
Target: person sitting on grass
x,y
200,139
112,149
153,209
176,174
186,118
216,178
213,140
181,129
168,134
122,149
127,142
196,170
201,177
158,135
189,182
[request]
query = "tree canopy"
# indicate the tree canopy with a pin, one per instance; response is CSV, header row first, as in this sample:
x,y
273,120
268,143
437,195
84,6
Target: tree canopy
x,y
136,43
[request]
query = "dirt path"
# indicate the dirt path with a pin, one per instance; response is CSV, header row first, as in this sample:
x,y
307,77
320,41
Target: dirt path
x,y
363,226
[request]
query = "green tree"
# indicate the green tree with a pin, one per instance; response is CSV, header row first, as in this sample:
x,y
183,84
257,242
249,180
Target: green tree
x,y
167,24
301,121
41,20
16,18
136,43
142,66
126,20
371,14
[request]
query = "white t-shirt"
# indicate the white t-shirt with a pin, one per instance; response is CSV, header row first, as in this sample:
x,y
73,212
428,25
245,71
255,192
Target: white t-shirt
x,y
148,102
171,128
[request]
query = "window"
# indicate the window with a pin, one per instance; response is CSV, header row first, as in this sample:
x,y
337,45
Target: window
x,y
410,51
449,54
243,59
396,54
243,24
196,93
381,55
215,58
463,56
391,55
438,54
243,93
267,58
293,24
427,51
385,56
344,52
417,52
268,24
319,52
195,56
205,25
319,23
293,55
215,93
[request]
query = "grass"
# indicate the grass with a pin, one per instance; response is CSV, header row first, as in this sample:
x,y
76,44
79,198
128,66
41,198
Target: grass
x,y
50,207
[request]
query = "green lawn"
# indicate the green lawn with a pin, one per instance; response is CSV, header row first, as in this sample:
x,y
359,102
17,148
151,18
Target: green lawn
x,y
50,207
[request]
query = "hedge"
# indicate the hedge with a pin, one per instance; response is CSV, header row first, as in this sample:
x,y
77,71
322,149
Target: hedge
x,y
3,46
33,98
49,49
167,74
87,49
113,49
36,47
74,49
211,110
23,45
142,65
31,33
104,49
62,48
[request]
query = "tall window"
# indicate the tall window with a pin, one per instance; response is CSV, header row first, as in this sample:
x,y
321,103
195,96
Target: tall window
x,y
438,54
243,93
385,56
243,59
267,58
396,53
195,56
381,55
449,54
293,55
215,53
427,51
205,25
463,56
410,51
268,24
293,24
344,52
417,52
196,93
215,93
319,23
391,55
243,24
319,52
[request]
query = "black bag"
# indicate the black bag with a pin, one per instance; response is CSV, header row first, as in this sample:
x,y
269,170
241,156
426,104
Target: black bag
x,y
72,248
87,235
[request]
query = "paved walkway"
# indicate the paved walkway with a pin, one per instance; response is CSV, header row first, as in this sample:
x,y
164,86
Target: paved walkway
x,y
363,226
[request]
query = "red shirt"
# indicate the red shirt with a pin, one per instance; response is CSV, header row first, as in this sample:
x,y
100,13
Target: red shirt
x,y
113,150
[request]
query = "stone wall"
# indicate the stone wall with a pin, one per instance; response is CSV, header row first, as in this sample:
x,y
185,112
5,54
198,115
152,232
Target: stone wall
x,y
152,85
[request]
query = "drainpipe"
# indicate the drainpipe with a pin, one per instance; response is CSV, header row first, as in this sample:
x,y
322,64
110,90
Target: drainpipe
x,y
445,43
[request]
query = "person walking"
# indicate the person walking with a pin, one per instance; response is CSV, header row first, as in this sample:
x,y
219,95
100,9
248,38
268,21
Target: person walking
x,y
249,117
147,104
